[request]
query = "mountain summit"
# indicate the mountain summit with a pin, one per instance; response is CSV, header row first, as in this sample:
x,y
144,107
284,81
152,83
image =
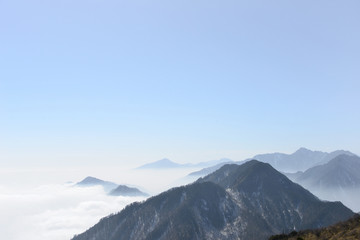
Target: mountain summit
x,y
250,201
123,190
92,181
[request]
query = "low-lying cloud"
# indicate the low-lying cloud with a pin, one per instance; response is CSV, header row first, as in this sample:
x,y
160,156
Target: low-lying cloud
x,y
54,212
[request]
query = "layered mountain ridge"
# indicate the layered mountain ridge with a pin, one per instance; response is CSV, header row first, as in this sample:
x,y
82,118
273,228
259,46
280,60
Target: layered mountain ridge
x,y
250,201
300,160
339,179
341,172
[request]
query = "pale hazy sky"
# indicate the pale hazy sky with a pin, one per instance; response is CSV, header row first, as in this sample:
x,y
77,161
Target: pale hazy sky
x,y
119,82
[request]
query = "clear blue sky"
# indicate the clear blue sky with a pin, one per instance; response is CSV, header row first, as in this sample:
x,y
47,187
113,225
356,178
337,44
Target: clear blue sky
x,y
114,82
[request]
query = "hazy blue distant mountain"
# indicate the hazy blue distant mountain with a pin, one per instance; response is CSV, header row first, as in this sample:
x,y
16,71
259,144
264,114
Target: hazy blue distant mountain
x,y
250,201
341,172
336,153
339,179
300,160
166,163
123,190
163,163
91,181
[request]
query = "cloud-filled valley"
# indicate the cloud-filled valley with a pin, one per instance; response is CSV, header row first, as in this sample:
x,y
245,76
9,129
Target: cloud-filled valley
x,y
55,212
38,204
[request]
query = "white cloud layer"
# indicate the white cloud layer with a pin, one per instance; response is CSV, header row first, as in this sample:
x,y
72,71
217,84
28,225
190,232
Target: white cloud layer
x,y
34,206
54,212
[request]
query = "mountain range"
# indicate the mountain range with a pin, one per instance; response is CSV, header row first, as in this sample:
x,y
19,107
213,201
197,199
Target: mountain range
x,y
339,179
248,201
341,172
300,160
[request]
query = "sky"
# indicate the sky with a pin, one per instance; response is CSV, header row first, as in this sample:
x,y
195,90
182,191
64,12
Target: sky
x,y
129,82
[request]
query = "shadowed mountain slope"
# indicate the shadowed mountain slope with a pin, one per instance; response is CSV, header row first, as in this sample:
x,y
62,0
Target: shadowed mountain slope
x,y
270,192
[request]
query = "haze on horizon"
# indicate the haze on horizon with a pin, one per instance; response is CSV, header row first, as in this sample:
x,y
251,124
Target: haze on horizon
x,y
130,82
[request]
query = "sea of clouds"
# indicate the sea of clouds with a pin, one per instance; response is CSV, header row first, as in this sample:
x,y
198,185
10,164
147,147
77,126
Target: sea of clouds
x,y
39,205
54,212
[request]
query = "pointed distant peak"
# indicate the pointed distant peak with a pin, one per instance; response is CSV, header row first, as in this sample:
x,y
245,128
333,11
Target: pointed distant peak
x,y
164,160
307,152
123,190
160,164
91,178
91,181
303,150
